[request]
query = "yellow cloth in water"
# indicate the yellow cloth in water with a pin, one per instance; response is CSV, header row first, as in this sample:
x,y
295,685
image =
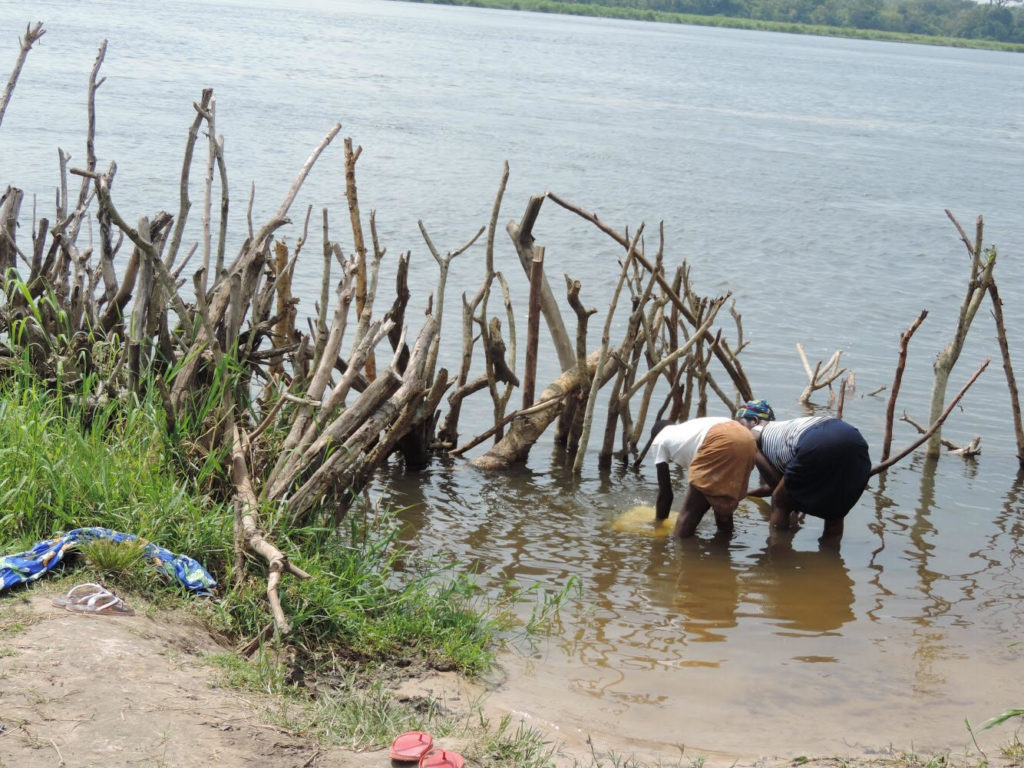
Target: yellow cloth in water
x,y
641,520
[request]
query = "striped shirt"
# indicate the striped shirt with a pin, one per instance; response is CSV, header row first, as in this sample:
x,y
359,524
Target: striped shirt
x,y
779,438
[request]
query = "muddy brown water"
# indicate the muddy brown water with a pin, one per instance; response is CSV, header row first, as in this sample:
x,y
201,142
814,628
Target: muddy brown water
x,y
749,644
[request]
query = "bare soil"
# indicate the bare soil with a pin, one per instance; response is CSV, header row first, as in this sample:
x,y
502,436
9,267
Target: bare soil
x,y
86,690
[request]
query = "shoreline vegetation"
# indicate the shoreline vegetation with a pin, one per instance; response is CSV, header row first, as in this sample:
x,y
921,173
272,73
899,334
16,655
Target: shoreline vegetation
x,y
370,617
730,22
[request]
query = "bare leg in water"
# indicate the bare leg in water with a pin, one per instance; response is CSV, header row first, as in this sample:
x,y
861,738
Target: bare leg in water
x,y
782,509
695,504
832,534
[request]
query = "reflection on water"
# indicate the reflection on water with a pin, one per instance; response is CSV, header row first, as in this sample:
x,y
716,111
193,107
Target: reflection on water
x,y
920,606
800,591
707,588
720,587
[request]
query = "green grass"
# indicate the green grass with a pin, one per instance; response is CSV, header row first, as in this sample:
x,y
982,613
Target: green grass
x,y
60,470
57,474
518,745
121,560
364,602
371,612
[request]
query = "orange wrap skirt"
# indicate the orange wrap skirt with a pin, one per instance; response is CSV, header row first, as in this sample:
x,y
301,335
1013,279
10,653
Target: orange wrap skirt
x,y
724,461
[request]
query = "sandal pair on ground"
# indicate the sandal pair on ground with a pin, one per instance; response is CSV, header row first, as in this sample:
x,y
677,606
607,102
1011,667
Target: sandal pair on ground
x,y
417,747
93,598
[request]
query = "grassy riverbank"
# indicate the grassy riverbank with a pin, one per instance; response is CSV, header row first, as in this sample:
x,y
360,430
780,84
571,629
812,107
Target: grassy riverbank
x,y
122,471
368,617
634,14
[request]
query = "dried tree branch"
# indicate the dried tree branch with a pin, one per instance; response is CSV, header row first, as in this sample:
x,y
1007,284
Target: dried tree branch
x,y
973,448
901,363
881,467
33,32
248,504
730,363
1011,381
821,376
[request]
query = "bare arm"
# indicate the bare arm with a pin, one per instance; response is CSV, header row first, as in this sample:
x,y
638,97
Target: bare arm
x,y
664,502
769,476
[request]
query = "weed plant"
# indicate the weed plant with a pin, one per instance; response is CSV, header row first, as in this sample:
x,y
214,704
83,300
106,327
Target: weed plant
x,y
371,610
71,460
62,468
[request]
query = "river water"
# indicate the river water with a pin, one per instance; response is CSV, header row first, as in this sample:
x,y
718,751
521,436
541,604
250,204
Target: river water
x,y
807,176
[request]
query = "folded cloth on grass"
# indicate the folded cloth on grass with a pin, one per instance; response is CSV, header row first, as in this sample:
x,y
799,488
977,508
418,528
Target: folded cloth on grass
x,y
46,554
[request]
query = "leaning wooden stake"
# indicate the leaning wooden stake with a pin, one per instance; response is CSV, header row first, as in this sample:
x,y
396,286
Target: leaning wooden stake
x,y
351,156
533,326
901,363
935,424
514,447
1011,381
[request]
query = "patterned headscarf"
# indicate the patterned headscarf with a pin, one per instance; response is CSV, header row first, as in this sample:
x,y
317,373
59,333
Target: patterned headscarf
x,y
756,409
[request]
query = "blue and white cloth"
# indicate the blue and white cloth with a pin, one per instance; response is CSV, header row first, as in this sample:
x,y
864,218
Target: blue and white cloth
x,y
47,554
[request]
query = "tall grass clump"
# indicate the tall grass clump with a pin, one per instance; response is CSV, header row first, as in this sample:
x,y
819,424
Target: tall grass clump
x,y
66,465
72,459
372,601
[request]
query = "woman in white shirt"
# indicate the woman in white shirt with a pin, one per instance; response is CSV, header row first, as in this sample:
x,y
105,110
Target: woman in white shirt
x,y
719,455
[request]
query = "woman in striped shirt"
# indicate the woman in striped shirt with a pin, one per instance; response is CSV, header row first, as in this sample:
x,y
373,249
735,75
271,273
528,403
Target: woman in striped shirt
x,y
815,465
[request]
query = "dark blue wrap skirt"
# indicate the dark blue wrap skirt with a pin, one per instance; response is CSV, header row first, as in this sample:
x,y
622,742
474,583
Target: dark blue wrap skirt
x,y
830,470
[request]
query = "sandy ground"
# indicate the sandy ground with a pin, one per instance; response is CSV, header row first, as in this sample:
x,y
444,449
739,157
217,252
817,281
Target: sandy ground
x,y
83,690
86,690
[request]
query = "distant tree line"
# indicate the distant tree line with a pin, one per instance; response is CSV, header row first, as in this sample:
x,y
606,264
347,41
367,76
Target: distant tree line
x,y
999,20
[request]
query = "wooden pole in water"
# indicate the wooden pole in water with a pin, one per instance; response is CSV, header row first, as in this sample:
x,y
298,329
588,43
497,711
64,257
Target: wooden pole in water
x,y
935,424
533,326
1011,381
982,264
595,385
901,363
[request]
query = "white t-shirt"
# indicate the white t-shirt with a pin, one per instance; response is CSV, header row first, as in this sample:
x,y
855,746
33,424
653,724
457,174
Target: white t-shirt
x,y
680,442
